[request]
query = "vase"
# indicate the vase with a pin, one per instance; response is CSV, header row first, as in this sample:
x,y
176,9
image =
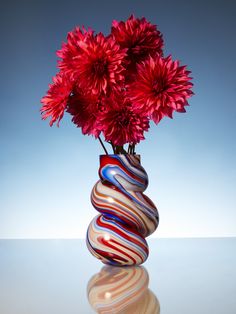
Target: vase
x,y
127,216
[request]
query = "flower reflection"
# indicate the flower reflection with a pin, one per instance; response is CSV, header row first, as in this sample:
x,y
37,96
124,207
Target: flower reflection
x,y
122,290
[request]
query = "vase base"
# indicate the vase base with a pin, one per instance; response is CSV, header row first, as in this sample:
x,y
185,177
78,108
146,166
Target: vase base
x,y
115,243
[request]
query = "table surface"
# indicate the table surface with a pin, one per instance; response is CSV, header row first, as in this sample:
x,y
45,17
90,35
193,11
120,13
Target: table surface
x,y
60,276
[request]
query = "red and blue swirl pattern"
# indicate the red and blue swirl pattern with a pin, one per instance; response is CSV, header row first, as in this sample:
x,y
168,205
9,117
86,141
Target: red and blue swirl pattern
x,y
127,215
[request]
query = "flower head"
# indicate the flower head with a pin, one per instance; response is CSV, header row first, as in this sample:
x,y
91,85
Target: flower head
x,y
121,123
140,37
71,49
94,61
161,86
55,101
85,109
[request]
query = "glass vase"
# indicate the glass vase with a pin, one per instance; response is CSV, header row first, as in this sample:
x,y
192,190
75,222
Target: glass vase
x,y
126,215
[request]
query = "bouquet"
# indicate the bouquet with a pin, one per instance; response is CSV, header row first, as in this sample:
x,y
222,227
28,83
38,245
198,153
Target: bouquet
x,y
115,85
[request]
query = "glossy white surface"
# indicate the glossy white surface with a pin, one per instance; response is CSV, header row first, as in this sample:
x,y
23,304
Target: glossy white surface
x,y
51,276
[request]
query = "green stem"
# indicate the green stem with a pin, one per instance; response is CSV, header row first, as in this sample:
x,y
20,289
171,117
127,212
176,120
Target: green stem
x,y
120,150
132,149
102,145
129,149
113,147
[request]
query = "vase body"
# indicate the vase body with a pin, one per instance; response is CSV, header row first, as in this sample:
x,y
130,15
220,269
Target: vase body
x,y
127,216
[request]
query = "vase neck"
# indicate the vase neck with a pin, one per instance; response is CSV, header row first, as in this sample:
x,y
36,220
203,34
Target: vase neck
x,y
112,157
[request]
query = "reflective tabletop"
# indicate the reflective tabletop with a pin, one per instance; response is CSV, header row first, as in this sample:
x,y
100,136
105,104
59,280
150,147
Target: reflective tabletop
x,y
60,276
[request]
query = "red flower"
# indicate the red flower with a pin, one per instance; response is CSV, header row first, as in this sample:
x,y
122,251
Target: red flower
x,y
121,123
71,49
85,109
96,62
161,86
115,84
55,101
140,37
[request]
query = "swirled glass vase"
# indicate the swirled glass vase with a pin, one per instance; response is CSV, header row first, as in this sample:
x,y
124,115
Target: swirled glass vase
x,y
127,216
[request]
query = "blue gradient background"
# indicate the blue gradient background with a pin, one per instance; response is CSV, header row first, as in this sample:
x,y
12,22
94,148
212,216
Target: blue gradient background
x,y
46,174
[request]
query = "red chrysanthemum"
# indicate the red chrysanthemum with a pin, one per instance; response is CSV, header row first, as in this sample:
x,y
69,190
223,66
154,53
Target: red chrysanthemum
x,y
115,84
161,86
140,37
85,109
71,49
121,123
55,101
95,62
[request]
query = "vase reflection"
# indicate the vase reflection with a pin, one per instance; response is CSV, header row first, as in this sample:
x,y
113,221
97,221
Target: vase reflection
x,y
122,290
